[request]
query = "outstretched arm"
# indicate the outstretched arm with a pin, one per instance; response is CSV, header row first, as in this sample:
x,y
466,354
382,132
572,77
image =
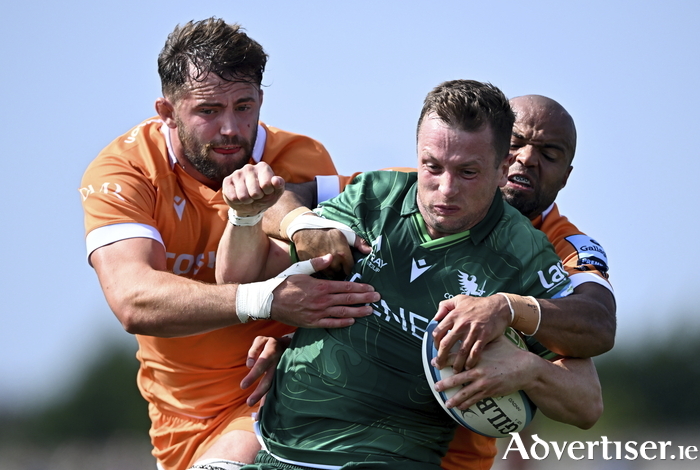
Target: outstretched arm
x,y
579,325
149,300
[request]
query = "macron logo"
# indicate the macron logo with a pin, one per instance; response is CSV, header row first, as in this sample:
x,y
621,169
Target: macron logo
x,y
418,268
179,206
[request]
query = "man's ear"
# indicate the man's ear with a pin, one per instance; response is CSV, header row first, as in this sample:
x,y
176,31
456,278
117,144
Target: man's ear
x,y
504,167
566,177
166,111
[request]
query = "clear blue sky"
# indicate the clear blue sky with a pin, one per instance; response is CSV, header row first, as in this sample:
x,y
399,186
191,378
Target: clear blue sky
x,y
76,74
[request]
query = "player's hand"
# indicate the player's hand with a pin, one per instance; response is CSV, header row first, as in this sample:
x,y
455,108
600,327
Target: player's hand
x,y
476,321
503,369
263,357
252,189
311,243
305,301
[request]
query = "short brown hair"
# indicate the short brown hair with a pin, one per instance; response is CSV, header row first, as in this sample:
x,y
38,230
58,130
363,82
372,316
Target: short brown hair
x,y
469,105
209,46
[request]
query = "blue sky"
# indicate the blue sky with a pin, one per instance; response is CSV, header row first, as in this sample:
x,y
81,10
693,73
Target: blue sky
x,y
77,74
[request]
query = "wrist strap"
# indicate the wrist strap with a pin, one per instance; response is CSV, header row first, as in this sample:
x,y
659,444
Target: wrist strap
x,y
314,222
289,218
525,313
247,221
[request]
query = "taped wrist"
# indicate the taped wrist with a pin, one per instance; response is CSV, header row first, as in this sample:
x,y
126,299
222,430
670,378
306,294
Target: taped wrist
x,y
254,300
244,221
289,218
309,221
525,313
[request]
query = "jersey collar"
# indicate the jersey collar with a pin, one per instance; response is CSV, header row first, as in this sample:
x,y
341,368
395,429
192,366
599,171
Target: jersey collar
x,y
539,220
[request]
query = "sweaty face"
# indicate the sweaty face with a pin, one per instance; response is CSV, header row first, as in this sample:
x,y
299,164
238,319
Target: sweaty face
x,y
457,176
543,145
217,123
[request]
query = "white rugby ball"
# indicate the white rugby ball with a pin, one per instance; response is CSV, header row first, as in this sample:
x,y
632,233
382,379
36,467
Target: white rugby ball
x,y
493,417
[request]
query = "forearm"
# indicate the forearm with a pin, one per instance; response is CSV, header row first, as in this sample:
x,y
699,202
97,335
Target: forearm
x,y
296,195
566,390
580,325
242,254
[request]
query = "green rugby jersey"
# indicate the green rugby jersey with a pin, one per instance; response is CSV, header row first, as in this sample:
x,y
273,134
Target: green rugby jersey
x,y
359,393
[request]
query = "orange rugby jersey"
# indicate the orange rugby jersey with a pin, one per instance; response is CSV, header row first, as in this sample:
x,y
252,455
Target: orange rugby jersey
x,y
135,189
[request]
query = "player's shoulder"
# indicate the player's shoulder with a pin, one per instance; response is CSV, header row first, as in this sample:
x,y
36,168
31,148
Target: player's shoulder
x,y
385,184
277,139
561,231
143,146
387,177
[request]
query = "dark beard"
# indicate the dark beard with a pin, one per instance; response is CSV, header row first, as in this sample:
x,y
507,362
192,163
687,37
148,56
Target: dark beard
x,y
526,207
198,154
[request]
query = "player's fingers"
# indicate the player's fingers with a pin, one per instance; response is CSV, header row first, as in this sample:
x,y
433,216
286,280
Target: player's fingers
x,y
362,246
442,329
444,307
446,346
263,387
475,354
343,309
253,183
255,349
264,178
334,322
278,184
321,262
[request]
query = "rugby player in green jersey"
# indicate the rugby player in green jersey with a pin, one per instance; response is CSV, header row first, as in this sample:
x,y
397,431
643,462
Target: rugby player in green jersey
x,y
358,394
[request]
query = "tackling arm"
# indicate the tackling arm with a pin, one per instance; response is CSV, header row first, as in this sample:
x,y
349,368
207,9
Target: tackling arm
x,y
580,325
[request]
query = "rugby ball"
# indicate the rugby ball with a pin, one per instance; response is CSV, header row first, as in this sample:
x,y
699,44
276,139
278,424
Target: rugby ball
x,y
492,417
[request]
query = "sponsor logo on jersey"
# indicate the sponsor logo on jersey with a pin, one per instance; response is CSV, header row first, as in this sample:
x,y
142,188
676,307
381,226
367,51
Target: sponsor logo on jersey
x,y
553,277
106,188
589,252
179,206
374,262
418,267
408,321
135,132
468,284
186,263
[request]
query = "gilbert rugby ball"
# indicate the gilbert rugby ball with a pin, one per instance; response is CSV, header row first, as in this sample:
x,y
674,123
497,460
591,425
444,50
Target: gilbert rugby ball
x,y
492,417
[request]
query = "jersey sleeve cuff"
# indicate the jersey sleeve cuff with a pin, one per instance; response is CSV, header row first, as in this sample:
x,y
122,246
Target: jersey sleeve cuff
x,y
109,234
581,278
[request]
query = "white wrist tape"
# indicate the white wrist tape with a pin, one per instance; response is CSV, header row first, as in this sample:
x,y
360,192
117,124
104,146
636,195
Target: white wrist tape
x,y
254,300
248,221
308,221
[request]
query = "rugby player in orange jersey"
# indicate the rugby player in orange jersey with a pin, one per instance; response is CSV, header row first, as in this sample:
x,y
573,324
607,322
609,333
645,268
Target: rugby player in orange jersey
x,y
154,215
